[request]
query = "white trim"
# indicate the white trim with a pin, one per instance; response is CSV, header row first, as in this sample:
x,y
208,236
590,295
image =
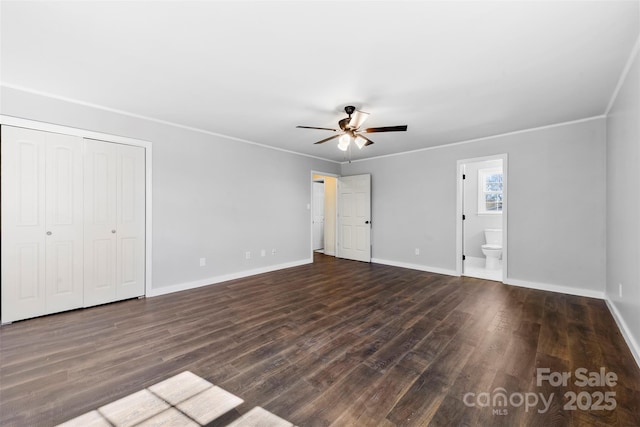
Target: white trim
x,y
624,329
460,170
326,252
468,141
505,216
49,127
151,119
505,209
138,116
224,278
623,76
554,288
633,345
67,130
411,266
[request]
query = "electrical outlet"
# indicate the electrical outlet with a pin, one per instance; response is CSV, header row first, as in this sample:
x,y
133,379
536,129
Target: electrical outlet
x,y
417,251
620,290
247,255
203,262
263,252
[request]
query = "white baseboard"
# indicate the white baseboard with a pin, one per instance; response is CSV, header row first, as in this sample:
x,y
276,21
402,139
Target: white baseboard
x,y
224,278
555,288
624,329
633,345
420,267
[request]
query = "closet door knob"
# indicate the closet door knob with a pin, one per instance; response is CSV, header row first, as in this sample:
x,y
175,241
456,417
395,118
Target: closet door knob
x,y
49,233
113,231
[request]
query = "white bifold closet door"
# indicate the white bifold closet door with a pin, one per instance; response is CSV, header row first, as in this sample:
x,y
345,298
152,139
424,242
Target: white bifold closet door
x,y
114,226
73,222
42,223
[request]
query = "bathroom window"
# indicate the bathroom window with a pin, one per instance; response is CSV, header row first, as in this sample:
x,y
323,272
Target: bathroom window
x,y
490,191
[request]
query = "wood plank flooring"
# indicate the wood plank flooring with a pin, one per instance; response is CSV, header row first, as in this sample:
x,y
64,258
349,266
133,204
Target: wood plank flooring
x,y
333,343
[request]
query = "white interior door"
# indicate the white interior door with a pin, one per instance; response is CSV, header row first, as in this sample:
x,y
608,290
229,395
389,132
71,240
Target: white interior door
x,y
318,215
42,245
354,217
114,222
100,222
64,223
23,223
130,221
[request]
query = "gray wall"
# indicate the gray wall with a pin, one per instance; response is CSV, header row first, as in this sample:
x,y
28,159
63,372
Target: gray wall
x,y
213,198
475,223
623,204
217,198
556,212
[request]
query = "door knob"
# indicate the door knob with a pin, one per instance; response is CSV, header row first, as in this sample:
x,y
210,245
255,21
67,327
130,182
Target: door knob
x,y
49,233
366,222
113,231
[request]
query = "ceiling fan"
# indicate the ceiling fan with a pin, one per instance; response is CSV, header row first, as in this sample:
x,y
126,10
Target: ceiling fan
x,y
350,129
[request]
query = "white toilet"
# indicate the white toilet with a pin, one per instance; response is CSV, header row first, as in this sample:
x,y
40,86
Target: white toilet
x,y
493,248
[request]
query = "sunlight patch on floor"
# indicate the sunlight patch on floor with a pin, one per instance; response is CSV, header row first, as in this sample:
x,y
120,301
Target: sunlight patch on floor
x,y
182,400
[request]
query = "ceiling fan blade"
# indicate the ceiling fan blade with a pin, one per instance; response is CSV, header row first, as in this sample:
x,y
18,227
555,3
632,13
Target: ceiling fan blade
x,y
357,119
313,127
328,139
401,128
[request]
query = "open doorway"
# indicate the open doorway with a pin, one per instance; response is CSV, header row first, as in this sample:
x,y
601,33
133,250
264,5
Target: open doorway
x,y
482,217
323,213
317,221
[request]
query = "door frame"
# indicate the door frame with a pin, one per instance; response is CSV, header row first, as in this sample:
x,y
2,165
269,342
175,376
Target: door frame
x,y
310,207
147,145
459,208
316,182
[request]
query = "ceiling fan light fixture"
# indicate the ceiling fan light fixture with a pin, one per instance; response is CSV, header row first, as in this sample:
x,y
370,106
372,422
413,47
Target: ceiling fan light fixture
x,y
358,119
360,141
344,141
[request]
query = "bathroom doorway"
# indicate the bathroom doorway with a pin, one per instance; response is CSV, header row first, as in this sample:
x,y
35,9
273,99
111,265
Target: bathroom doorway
x,y
482,218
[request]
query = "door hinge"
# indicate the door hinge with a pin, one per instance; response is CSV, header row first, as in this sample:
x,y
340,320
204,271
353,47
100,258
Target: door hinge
x,y
464,176
464,217
464,257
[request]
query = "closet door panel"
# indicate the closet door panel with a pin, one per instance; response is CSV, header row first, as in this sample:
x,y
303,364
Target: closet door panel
x,y
23,282
100,222
64,223
23,223
103,264
131,221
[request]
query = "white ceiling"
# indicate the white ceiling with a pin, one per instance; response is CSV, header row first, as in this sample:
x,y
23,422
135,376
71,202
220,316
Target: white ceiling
x,y
452,71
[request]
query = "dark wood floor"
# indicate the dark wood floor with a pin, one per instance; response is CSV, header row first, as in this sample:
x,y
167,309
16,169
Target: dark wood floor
x,y
333,343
